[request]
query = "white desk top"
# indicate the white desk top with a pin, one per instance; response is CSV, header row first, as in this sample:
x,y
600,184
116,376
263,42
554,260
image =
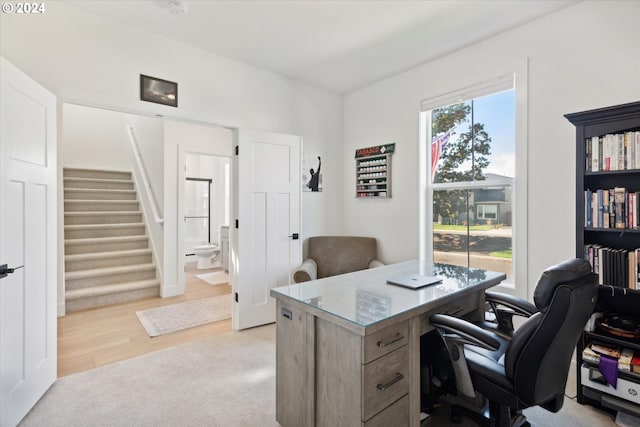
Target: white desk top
x,y
364,298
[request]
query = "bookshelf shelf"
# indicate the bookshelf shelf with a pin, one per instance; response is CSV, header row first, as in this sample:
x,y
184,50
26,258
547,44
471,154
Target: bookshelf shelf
x,y
613,230
606,141
622,172
621,342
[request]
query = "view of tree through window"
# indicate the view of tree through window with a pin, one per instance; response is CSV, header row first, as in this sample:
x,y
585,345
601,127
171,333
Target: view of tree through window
x,y
472,181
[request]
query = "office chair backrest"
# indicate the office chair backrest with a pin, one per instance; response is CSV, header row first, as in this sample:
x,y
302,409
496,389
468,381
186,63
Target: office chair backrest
x,y
539,355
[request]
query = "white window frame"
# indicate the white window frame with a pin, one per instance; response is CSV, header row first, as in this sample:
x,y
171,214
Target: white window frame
x,y
482,207
494,81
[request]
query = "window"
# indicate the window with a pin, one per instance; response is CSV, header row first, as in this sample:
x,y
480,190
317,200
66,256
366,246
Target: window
x,y
487,212
470,174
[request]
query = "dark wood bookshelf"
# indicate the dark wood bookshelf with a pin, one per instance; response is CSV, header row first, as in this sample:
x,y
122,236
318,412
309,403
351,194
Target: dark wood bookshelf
x,y
595,123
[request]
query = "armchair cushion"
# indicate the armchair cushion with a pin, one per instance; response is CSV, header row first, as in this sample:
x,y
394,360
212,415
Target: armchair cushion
x,y
333,255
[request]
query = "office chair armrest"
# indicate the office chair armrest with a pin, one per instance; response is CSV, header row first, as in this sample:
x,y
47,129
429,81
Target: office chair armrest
x,y
505,306
464,331
518,305
308,270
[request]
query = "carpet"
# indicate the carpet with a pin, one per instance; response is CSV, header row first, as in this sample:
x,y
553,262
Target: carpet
x,y
225,380
176,317
215,278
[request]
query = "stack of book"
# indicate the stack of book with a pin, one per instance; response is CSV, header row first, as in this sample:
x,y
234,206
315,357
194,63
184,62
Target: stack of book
x,y
612,208
615,267
613,152
628,361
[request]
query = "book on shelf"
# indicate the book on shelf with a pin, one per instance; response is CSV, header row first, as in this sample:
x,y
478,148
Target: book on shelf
x,y
605,349
634,269
619,200
635,364
614,267
613,152
606,203
612,208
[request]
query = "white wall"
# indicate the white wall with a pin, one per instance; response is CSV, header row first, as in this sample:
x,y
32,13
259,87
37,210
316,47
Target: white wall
x,y
93,139
149,135
580,58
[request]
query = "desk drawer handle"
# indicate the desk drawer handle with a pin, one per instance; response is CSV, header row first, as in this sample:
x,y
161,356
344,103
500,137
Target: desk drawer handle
x,y
390,341
397,378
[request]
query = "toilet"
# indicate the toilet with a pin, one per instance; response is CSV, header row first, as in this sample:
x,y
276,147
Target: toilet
x,y
205,255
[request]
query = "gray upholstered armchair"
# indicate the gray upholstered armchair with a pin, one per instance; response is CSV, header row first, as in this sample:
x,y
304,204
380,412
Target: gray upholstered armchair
x,y
333,255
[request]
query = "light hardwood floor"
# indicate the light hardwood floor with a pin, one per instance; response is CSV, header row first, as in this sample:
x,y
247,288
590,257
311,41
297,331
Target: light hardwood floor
x,y
91,338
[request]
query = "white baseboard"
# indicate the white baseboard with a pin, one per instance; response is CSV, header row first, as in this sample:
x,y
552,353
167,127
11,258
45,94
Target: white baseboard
x,y
170,291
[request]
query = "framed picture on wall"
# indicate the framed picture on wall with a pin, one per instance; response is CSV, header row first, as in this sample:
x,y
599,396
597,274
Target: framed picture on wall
x,y
311,176
153,89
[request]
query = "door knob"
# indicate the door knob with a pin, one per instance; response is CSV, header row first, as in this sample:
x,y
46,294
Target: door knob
x,y
5,271
295,236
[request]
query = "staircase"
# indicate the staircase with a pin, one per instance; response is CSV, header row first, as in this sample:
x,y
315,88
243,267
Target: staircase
x,y
107,254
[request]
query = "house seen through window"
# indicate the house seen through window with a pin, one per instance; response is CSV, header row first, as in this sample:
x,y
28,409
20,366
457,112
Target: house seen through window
x,y
472,179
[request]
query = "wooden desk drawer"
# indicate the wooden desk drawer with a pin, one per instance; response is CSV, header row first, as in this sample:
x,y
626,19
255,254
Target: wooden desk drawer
x,y
385,380
385,341
396,415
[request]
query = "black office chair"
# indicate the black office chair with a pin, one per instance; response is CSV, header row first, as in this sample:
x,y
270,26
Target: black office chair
x,y
528,367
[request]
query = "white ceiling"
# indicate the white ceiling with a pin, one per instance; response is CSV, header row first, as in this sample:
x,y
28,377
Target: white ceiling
x,y
338,45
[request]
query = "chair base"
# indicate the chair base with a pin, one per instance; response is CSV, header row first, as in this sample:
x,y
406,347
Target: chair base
x,y
494,416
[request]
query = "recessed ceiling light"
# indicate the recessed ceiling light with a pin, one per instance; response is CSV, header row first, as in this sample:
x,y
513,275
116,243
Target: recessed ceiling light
x,y
177,7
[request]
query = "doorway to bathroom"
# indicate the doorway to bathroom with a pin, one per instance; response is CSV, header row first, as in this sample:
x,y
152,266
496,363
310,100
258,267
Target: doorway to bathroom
x,y
206,194
205,207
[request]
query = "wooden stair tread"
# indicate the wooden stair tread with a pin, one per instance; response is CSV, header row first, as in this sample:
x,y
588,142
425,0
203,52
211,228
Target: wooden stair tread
x,y
100,202
97,272
103,226
95,180
105,213
110,289
100,190
103,240
109,254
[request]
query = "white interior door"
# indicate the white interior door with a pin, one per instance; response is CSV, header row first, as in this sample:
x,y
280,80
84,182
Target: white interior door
x,y
28,221
266,245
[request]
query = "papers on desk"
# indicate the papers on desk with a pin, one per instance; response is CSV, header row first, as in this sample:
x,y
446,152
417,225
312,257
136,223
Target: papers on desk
x,y
414,281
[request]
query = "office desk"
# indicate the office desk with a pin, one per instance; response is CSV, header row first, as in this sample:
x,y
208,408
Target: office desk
x,y
348,346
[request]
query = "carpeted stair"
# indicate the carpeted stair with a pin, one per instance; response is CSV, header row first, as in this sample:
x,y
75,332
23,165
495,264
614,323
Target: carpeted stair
x,y
107,254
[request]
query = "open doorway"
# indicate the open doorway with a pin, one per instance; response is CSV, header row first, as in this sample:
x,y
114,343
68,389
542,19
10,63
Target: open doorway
x,y
205,236
94,337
